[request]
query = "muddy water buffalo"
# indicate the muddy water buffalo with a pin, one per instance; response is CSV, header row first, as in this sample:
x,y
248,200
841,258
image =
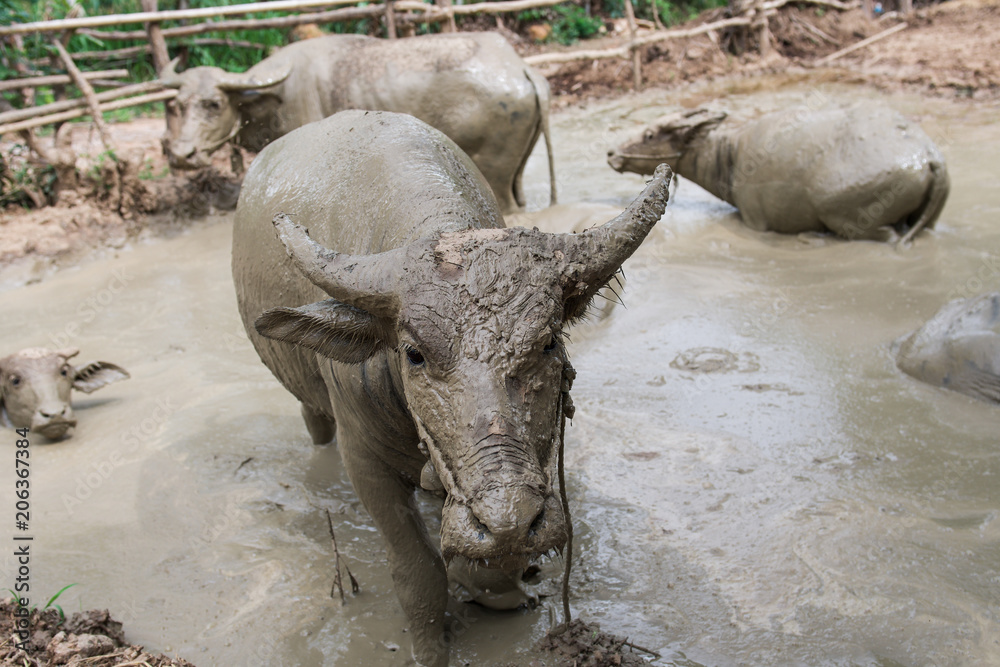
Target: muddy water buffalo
x,y
377,281
471,86
35,387
853,171
958,348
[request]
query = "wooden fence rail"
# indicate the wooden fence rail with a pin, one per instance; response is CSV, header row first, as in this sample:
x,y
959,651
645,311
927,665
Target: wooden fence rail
x,y
60,25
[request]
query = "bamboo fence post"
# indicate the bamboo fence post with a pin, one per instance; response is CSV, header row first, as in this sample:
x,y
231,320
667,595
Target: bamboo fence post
x,y
636,55
445,6
760,26
88,93
390,20
27,92
161,58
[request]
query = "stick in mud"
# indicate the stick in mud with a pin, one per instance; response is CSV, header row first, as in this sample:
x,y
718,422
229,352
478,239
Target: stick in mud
x,y
338,582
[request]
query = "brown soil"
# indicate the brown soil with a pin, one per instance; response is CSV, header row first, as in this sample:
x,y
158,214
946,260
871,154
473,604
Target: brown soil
x,y
949,49
585,645
89,638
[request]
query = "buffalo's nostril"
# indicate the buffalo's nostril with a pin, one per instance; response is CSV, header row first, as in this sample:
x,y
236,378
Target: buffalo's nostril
x,y
511,515
537,523
50,415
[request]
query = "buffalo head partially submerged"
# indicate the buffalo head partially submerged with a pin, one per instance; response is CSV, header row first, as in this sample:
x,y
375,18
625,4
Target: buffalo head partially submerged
x,y
35,388
431,339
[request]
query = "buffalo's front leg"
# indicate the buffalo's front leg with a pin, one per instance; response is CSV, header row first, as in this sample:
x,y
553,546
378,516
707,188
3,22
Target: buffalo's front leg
x,y
418,571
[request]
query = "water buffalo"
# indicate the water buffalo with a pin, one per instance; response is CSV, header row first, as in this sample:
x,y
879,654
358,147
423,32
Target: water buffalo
x,y
471,86
423,334
958,348
852,171
35,386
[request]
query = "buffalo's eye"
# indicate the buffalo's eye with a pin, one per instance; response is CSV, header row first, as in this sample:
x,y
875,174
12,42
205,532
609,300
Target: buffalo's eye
x,y
414,357
551,345
64,372
211,105
15,381
649,135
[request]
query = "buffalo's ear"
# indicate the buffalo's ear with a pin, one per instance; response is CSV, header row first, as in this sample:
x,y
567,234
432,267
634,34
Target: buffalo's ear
x,y
97,374
334,329
256,105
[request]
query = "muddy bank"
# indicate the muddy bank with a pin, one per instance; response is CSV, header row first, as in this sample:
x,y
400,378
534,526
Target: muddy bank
x,y
87,637
950,50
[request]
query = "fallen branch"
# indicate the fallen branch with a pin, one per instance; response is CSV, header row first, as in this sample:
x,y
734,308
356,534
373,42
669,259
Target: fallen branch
x,y
345,14
860,45
65,105
77,113
833,4
814,30
59,79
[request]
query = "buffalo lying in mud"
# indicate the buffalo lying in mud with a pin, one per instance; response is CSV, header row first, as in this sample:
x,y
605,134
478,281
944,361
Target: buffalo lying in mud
x,y
852,171
35,387
471,86
431,339
958,348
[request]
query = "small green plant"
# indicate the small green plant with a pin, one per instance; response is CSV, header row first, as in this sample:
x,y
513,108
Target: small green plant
x,y
51,603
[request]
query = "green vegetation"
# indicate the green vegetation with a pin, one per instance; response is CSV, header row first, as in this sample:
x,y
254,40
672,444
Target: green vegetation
x,y
50,603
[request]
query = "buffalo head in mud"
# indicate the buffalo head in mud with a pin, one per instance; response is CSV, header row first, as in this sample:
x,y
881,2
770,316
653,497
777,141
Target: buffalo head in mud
x,y
665,140
472,324
35,388
209,102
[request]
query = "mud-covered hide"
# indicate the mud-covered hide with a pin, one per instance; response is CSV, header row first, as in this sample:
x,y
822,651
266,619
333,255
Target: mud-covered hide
x,y
377,281
471,86
35,388
958,348
859,171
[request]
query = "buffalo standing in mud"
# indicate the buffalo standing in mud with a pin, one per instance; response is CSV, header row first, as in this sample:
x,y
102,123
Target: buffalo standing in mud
x,y
471,86
35,388
852,171
958,348
431,339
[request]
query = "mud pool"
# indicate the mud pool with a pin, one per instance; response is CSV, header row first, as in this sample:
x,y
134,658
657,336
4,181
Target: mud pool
x,y
752,479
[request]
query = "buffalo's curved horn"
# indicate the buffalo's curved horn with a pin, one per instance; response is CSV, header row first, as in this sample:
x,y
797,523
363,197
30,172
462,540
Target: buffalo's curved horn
x,y
169,77
240,82
363,281
594,256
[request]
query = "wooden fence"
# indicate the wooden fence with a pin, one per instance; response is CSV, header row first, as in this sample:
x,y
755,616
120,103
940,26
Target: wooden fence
x,y
400,18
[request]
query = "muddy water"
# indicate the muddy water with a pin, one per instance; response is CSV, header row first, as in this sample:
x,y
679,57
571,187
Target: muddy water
x,y
753,482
